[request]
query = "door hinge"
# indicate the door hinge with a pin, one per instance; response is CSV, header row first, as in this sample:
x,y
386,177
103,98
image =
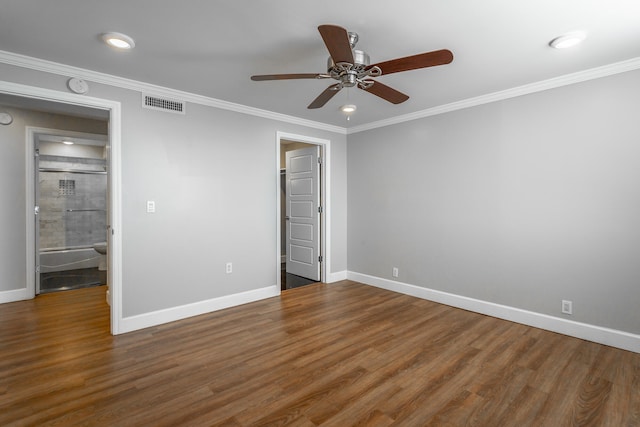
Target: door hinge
x,y
36,210
37,269
320,160
36,152
320,210
320,258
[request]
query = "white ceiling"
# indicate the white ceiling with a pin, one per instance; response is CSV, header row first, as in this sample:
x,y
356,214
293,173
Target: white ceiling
x,y
212,47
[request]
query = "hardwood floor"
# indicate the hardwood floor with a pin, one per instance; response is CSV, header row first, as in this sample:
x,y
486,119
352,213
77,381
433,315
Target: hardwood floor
x,y
333,355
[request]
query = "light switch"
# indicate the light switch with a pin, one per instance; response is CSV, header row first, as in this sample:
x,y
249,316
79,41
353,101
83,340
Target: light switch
x,y
151,206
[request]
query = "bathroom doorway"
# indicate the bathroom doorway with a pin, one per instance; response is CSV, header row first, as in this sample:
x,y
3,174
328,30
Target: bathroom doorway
x,y
33,107
71,193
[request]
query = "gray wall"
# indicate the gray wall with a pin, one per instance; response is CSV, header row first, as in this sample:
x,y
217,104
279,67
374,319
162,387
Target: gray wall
x,y
212,174
522,202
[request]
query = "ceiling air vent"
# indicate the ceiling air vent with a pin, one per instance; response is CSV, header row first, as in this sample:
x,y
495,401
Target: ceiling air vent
x,y
163,104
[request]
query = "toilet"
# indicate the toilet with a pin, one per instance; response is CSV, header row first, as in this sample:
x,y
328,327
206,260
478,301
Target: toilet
x,y
101,248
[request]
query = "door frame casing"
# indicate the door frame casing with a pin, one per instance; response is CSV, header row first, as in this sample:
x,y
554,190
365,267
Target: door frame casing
x,y
325,201
115,196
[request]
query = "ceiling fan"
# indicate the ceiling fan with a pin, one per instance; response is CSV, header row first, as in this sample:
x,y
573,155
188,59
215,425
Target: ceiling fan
x,y
350,67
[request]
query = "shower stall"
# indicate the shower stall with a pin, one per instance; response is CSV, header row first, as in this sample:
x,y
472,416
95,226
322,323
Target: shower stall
x,y
71,206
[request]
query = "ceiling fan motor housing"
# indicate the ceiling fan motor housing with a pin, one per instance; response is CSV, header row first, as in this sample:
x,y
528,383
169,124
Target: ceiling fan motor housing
x,y
349,74
360,61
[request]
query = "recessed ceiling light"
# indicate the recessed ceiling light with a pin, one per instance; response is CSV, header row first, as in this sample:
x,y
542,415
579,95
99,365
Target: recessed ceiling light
x,y
568,40
67,142
119,41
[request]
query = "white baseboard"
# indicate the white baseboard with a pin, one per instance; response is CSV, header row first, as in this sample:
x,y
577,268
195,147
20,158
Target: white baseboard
x,y
336,277
159,317
14,295
601,335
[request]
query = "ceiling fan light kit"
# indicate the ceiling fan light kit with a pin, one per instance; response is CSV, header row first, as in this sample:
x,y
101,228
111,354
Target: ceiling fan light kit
x,y
351,67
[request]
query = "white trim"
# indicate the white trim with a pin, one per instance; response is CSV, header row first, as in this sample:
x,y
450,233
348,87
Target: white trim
x,y
568,79
337,276
107,79
14,295
325,238
114,297
172,314
606,336
115,248
102,78
30,220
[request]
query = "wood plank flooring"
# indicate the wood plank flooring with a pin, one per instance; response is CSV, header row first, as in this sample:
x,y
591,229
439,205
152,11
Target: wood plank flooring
x,y
343,354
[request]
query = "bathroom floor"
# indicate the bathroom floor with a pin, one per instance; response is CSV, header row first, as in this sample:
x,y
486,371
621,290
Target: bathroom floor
x,y
71,279
290,281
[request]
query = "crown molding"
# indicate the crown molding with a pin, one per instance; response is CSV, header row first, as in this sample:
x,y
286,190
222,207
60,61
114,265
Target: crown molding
x,y
568,79
37,64
107,79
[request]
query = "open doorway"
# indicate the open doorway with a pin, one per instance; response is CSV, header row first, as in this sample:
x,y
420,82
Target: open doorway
x,y
16,98
302,210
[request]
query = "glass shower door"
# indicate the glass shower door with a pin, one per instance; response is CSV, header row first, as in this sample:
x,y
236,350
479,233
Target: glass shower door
x,y
72,218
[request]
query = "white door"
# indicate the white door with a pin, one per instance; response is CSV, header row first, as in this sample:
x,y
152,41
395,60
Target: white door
x,y
303,212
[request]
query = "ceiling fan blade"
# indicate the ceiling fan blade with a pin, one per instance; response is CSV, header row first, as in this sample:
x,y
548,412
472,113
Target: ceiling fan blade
x,y
337,41
263,77
325,96
422,60
385,92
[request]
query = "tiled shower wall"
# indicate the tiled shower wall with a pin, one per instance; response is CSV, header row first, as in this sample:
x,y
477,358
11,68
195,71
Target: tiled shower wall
x,y
73,206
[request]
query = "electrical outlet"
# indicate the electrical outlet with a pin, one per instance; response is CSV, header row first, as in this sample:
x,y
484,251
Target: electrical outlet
x,y
567,307
151,206
394,272
229,268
